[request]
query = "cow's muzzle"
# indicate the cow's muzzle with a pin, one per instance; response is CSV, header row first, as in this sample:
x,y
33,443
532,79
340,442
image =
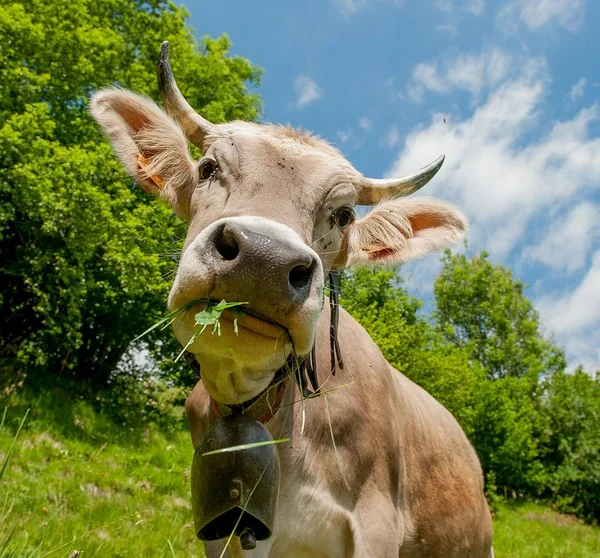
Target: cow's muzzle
x,y
254,262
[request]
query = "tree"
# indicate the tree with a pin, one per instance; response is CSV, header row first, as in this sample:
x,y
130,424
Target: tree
x,y
481,307
81,268
507,427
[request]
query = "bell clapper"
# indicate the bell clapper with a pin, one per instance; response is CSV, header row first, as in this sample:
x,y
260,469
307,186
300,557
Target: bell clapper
x,y
247,539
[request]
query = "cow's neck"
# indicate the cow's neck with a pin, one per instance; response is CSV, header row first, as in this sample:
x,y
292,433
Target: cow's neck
x,y
263,407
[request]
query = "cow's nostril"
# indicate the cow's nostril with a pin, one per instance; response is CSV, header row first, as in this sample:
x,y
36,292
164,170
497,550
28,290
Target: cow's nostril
x,y
227,246
300,276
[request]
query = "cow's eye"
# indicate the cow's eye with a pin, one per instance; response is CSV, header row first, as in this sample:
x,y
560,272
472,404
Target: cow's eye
x,y
344,217
207,168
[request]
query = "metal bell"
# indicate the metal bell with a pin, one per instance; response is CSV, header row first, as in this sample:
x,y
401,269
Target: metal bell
x,y
235,491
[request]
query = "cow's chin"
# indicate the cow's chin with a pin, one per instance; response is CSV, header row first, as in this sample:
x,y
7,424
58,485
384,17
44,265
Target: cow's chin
x,y
239,363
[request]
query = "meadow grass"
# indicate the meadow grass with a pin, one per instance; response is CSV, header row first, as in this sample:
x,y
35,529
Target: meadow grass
x,y
78,481
530,530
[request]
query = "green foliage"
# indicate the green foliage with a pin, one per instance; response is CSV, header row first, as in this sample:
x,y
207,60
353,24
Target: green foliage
x,y
81,245
481,307
537,427
137,401
506,433
57,53
570,446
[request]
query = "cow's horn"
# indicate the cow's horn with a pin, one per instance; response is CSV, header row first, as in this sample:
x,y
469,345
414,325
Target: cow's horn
x,y
375,189
194,126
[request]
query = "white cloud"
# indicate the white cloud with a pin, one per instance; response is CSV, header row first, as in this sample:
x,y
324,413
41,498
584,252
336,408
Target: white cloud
x,y
575,316
344,135
499,183
444,5
351,7
508,178
470,72
540,13
356,135
392,137
569,239
454,13
475,7
449,28
307,91
578,89
425,76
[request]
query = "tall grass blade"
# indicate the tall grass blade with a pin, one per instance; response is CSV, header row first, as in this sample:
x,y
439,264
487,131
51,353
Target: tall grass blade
x,y
242,447
12,445
170,316
335,450
3,419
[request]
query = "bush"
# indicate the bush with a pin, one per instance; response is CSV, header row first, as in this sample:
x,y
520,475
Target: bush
x,y
570,444
133,401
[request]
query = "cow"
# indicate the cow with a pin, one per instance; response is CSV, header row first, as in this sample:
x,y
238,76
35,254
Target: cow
x,y
376,467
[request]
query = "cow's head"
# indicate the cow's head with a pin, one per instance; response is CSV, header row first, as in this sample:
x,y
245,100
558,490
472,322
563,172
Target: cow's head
x,y
271,211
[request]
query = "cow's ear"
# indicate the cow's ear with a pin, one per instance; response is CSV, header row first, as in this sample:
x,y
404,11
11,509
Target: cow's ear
x,y
150,144
400,230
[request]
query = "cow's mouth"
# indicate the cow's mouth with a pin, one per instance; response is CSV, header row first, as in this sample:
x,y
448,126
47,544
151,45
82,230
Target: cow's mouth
x,y
246,319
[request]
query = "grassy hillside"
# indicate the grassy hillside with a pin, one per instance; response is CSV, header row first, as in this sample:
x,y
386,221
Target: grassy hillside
x,y
77,481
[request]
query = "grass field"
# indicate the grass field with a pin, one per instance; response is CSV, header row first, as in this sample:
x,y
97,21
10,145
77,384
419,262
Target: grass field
x,y
76,481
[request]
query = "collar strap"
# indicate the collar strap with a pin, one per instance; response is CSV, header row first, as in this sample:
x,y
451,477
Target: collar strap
x,y
263,407
309,368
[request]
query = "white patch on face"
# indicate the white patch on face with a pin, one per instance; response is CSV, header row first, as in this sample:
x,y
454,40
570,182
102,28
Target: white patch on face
x,y
236,367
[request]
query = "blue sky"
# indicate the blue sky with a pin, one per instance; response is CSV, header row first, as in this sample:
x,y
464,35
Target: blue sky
x,y
508,90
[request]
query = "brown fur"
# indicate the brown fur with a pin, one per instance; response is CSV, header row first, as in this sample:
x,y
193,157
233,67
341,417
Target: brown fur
x,y
416,487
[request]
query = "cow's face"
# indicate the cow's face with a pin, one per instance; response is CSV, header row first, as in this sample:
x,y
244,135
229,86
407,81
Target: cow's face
x,y
267,219
271,212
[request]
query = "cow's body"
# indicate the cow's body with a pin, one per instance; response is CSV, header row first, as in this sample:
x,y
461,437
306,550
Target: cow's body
x,y
416,486
271,213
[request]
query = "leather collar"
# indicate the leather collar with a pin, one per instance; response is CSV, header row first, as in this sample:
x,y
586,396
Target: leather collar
x,y
263,407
